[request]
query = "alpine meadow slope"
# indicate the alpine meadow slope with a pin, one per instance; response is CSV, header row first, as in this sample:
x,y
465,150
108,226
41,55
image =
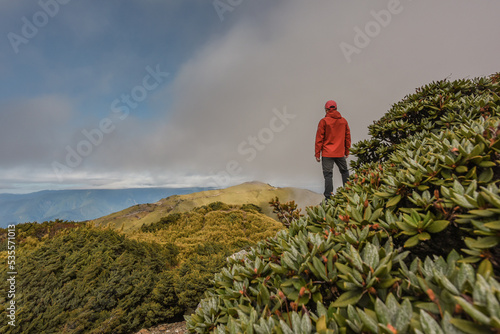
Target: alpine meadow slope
x,y
410,245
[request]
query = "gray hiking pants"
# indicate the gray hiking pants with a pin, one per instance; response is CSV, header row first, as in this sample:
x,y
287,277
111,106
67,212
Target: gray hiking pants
x,y
327,164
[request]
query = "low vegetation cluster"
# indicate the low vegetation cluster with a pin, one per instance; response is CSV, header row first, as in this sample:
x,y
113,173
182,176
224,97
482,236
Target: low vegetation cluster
x,y
217,223
410,245
75,278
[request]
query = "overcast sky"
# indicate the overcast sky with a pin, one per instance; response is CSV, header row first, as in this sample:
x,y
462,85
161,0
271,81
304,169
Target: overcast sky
x,y
115,94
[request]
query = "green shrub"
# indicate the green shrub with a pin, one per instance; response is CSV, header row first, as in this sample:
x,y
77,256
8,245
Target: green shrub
x,y
410,245
285,212
89,280
205,237
39,231
251,208
164,223
195,274
214,206
434,107
228,225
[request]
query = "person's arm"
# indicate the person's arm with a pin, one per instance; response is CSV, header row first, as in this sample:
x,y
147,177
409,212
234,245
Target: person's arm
x,y
320,136
347,140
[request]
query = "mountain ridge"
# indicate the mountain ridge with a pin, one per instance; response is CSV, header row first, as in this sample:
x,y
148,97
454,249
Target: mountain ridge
x,y
254,192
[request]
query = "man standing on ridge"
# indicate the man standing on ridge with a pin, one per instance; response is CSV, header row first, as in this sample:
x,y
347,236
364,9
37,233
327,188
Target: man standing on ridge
x,y
333,141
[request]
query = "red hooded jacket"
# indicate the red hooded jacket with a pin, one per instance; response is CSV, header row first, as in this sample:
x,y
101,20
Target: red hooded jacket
x,y
333,138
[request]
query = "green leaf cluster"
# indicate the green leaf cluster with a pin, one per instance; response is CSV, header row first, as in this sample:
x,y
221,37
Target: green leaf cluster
x,y
439,105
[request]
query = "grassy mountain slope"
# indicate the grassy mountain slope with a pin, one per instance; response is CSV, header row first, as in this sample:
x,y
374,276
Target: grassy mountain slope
x,y
256,193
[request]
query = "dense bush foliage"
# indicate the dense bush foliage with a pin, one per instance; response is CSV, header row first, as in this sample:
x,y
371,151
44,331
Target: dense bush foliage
x,y
38,231
205,236
434,107
232,226
73,278
411,245
195,275
76,283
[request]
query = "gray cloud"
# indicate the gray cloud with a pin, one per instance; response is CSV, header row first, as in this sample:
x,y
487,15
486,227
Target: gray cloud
x,y
30,129
292,59
287,57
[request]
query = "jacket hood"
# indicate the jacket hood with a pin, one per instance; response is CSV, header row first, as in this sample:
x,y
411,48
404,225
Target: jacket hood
x,y
334,114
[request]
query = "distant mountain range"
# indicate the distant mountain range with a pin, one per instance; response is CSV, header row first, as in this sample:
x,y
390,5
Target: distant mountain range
x,y
78,205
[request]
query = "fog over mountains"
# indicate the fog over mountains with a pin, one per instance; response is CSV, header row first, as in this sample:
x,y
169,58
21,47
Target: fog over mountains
x,y
78,205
